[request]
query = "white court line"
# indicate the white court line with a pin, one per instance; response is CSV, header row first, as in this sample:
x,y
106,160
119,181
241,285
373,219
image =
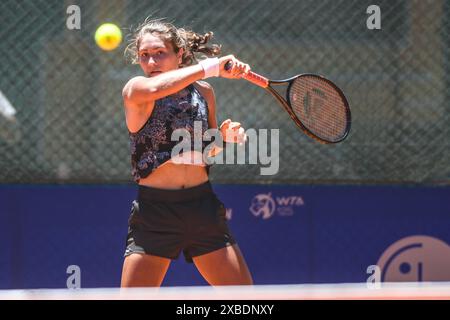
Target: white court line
x,y
434,290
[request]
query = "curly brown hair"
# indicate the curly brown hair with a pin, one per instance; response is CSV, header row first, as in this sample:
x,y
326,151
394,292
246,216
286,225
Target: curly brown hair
x,y
190,41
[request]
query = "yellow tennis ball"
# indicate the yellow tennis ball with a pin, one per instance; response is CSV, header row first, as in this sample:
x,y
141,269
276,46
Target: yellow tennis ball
x,y
108,36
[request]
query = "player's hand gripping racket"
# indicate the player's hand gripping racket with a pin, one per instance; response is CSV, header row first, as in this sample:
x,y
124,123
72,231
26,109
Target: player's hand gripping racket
x,y
317,106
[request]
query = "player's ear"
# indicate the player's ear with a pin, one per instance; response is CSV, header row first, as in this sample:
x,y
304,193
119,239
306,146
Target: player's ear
x,y
180,55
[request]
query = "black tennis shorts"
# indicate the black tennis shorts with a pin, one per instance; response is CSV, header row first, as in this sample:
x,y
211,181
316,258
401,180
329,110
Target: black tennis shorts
x,y
165,222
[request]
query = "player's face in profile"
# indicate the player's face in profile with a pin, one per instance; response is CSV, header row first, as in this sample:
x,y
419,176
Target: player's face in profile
x,y
156,55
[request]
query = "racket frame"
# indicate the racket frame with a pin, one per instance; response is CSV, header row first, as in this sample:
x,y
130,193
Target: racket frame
x,y
268,84
286,103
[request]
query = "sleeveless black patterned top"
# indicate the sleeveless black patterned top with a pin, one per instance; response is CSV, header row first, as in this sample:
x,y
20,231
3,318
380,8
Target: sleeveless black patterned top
x,y
151,146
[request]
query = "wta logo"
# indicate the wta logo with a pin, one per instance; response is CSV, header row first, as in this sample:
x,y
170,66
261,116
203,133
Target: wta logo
x,y
265,206
416,258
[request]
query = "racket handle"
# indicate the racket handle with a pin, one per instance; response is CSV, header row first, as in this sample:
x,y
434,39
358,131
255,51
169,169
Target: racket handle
x,y
251,76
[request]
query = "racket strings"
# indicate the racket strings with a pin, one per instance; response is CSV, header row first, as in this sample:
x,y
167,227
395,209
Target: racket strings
x,y
320,107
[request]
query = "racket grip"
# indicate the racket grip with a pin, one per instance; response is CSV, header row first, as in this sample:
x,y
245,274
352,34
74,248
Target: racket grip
x,y
251,76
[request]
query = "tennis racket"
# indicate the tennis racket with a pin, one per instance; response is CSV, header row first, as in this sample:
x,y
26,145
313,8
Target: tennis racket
x,y
317,106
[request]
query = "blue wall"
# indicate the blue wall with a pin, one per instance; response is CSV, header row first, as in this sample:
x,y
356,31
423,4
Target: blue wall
x,y
319,234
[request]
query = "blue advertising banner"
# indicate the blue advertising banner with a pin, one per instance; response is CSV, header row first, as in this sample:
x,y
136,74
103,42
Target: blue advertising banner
x,y
288,234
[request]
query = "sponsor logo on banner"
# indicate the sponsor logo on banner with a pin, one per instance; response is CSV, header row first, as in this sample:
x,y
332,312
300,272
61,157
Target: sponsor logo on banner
x,y
416,258
265,205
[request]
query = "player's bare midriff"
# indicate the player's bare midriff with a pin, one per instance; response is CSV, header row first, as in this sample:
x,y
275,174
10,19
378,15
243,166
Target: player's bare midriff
x,y
176,176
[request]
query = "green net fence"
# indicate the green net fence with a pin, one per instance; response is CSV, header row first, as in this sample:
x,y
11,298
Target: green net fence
x,y
70,127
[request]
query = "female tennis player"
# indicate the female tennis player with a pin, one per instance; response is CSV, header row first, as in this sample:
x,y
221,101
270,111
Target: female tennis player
x,y
176,209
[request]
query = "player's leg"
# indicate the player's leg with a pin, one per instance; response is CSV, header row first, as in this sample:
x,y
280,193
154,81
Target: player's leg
x,y
225,266
143,270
